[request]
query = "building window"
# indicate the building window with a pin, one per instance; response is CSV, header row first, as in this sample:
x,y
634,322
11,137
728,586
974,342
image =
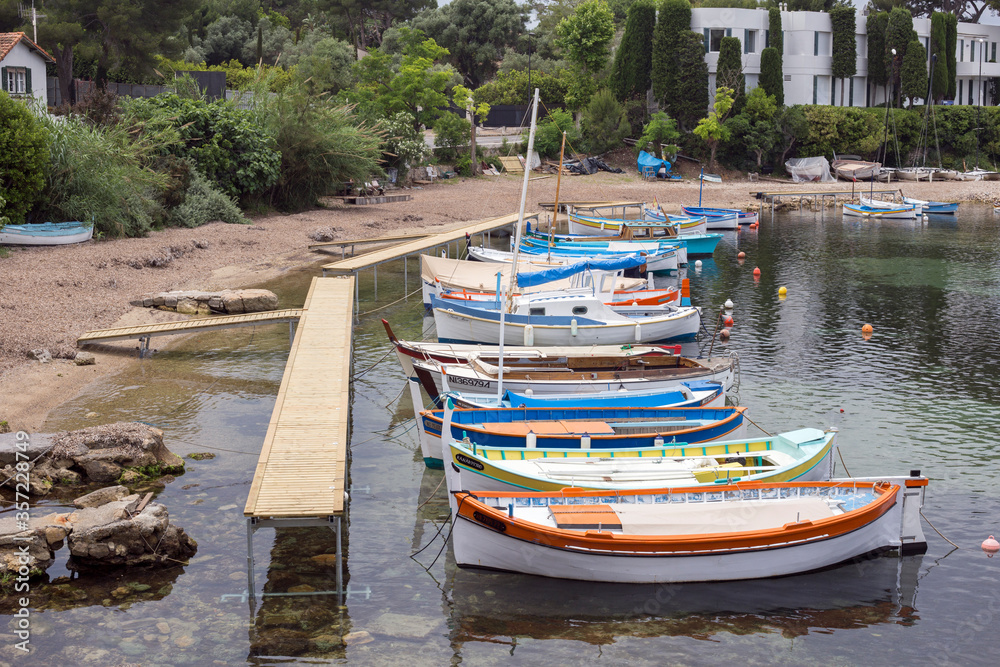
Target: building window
x,y
767,38
961,51
715,36
815,88
970,92
816,45
993,52
960,82
749,41
833,89
851,94
15,80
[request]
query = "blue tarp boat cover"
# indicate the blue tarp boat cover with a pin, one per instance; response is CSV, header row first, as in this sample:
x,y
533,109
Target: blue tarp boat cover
x,y
648,163
533,278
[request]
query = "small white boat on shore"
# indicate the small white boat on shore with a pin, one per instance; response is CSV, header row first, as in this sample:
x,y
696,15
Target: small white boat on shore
x,y
47,233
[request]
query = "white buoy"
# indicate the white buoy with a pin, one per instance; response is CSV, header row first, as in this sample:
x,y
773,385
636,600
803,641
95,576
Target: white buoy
x,y
729,304
531,439
697,264
585,441
529,335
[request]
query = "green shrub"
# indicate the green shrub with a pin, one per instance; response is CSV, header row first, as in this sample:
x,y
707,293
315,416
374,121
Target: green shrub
x,y
604,123
238,77
204,203
548,134
321,145
224,142
450,132
101,174
512,88
24,155
403,144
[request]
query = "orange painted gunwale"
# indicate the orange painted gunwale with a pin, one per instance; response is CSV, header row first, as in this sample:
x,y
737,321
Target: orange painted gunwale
x,y
628,297
594,541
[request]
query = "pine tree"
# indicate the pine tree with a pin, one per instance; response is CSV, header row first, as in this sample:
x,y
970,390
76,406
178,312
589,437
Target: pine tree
x,y
673,23
729,70
951,36
771,79
845,46
939,47
630,77
914,75
691,101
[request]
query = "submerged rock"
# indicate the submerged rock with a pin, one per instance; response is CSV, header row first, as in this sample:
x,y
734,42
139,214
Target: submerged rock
x,y
28,548
205,303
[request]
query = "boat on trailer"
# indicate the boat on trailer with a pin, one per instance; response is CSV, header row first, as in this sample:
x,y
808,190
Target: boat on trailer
x,y
739,530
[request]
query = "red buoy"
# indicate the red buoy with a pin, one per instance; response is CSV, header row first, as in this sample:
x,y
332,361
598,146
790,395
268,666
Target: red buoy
x,y
756,270
727,321
741,255
991,546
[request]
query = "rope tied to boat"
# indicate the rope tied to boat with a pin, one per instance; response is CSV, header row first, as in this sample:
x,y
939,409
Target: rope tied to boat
x,y
937,531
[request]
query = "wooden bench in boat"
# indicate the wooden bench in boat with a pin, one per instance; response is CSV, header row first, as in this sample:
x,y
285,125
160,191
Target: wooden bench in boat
x,y
558,427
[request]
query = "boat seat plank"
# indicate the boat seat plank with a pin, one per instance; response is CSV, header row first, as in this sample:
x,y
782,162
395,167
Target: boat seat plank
x,y
586,517
559,427
733,516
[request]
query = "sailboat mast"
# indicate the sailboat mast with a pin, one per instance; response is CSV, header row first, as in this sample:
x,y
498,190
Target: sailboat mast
x,y
517,244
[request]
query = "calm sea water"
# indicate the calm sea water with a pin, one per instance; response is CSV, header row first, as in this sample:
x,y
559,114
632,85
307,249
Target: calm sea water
x,y
920,394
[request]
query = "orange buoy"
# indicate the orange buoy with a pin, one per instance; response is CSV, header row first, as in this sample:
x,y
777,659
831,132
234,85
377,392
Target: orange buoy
x,y
990,546
724,334
756,270
727,321
741,255
867,329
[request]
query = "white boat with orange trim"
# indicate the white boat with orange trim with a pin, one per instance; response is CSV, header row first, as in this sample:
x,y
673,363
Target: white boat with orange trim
x,y
741,530
862,211
803,455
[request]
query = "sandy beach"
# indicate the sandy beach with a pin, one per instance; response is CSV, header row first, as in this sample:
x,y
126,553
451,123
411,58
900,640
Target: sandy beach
x,y
50,296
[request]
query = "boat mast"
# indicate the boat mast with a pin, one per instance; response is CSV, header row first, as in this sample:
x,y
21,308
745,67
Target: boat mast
x,y
505,306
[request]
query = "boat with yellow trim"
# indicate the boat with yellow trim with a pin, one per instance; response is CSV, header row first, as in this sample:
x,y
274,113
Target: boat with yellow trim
x,y
802,455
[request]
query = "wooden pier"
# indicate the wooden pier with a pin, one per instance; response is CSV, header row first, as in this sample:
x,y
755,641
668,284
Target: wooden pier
x,y
301,475
351,265
772,198
144,332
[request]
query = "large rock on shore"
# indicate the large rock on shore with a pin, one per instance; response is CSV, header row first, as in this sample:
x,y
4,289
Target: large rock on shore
x,y
192,302
112,535
98,454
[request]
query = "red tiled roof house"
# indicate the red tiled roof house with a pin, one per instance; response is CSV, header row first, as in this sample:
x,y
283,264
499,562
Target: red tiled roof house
x,y
22,66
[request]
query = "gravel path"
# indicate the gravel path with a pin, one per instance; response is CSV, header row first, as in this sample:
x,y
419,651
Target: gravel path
x,y
49,296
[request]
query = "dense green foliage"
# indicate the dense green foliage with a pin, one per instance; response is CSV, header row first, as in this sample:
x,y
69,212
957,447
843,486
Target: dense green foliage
x,y
939,41
548,134
673,23
729,70
876,25
712,128
450,132
660,134
755,129
604,123
691,99
238,77
913,78
24,155
776,37
899,33
402,142
845,46
771,79
224,142
512,88
951,36
475,32
630,78
204,203
586,35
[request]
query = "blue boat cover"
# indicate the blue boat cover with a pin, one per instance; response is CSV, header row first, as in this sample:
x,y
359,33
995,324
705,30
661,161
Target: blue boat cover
x,y
533,278
647,163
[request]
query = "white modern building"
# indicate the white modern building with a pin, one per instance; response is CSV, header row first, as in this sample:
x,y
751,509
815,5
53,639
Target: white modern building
x,y
22,66
807,61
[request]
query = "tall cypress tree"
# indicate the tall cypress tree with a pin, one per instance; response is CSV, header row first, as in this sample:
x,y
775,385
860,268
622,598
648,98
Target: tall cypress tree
x,y
951,37
673,24
876,25
771,79
729,70
630,77
776,38
691,102
913,78
939,48
845,45
898,34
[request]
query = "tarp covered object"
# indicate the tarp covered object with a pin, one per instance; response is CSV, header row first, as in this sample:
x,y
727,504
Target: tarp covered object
x,y
646,163
481,277
547,275
809,169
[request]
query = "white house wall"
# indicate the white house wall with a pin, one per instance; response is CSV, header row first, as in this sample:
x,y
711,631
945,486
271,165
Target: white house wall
x,y
24,56
807,60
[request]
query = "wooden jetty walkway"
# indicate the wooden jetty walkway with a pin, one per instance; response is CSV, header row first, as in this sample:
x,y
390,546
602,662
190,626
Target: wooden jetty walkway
x,y
772,198
144,332
351,265
301,475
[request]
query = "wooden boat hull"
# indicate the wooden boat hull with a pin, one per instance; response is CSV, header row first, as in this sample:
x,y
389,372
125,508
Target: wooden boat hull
x,y
48,233
438,379
808,458
595,226
508,539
